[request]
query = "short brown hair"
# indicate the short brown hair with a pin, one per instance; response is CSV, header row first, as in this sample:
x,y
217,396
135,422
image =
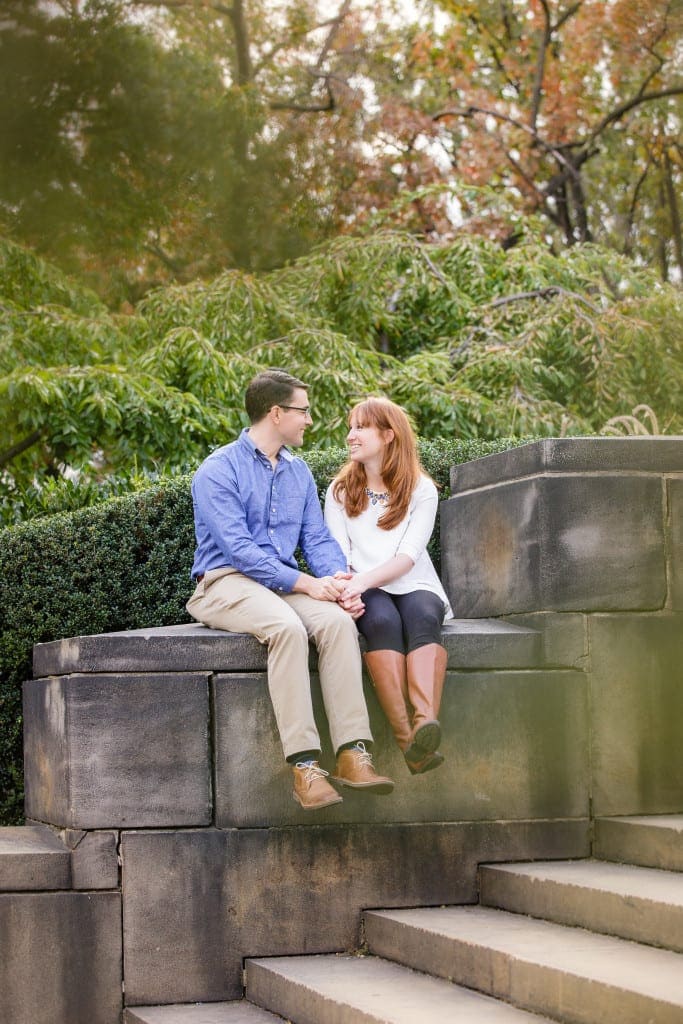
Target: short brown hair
x,y
269,388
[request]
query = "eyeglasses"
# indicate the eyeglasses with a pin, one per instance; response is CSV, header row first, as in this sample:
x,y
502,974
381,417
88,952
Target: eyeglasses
x,y
305,409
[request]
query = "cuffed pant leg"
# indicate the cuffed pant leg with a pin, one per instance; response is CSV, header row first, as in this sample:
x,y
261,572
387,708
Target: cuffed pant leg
x,y
231,601
341,674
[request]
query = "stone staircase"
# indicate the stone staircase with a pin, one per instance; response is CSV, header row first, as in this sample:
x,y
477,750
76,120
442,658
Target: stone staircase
x,y
594,941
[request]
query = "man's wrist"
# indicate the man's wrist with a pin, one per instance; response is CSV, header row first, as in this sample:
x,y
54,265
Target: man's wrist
x,y
302,584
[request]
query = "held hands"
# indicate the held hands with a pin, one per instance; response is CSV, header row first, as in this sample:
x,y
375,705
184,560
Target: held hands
x,y
325,588
350,597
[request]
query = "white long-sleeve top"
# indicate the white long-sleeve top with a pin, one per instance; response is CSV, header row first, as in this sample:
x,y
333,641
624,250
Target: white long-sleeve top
x,y
366,545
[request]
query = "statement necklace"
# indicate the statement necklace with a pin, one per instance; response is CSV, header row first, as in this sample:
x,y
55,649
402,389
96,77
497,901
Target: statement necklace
x,y
377,499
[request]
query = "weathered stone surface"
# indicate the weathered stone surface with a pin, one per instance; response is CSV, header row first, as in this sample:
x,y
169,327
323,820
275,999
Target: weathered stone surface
x,y
492,643
675,541
94,861
641,904
659,455
564,637
103,751
32,858
516,746
235,1012
349,989
655,841
61,958
567,973
555,543
486,643
196,902
185,648
637,711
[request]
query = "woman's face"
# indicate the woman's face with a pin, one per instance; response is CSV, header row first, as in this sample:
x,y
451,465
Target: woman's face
x,y
367,442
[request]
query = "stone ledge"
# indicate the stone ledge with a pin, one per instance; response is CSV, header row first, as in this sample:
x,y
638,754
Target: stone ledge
x,y
572,455
190,647
33,859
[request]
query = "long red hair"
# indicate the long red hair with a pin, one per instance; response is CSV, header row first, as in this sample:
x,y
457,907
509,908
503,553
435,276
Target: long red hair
x,y
401,468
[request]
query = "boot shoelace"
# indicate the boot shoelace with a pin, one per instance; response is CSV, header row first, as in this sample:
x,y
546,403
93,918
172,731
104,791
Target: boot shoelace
x,y
312,771
365,758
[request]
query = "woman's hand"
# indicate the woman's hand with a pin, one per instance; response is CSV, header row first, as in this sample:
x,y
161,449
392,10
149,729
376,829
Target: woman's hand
x,y
354,588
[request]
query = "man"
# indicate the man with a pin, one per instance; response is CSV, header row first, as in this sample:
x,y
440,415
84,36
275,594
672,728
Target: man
x,y
254,503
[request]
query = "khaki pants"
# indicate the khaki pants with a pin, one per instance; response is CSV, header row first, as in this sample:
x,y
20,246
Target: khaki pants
x,y
226,599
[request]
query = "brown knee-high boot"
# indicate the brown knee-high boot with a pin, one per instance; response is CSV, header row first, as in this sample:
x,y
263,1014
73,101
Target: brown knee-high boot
x,y
388,673
387,670
426,669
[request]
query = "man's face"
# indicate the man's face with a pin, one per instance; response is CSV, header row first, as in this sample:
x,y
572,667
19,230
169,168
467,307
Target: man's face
x,y
294,418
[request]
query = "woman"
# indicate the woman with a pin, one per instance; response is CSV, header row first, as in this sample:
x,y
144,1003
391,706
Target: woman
x,y
381,509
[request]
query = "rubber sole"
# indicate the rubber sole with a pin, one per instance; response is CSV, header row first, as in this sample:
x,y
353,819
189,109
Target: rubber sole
x,y
428,737
380,788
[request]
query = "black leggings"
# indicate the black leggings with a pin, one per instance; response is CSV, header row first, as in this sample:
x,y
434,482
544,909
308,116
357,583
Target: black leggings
x,y
401,622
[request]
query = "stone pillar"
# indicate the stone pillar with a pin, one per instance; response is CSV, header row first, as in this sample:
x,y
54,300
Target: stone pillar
x,y
591,526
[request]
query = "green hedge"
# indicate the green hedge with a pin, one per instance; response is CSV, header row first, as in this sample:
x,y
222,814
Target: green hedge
x,y
123,564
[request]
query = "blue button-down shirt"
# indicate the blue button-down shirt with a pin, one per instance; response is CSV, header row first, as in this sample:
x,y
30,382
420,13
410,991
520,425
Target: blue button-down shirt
x,y
252,516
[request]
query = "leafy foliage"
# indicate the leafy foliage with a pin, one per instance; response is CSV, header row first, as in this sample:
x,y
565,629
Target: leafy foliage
x,y
472,340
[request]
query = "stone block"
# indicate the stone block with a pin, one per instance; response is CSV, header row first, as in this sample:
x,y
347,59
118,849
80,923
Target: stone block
x,y
61,958
564,637
675,541
555,543
94,859
196,902
33,858
492,643
104,751
637,711
516,746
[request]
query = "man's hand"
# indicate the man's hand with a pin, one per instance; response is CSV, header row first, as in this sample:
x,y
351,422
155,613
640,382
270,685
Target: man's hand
x,y
325,588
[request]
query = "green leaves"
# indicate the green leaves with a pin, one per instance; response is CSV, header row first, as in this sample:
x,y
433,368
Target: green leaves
x,y
473,341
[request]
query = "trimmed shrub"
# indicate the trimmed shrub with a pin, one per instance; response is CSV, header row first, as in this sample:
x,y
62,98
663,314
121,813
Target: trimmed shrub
x,y
123,564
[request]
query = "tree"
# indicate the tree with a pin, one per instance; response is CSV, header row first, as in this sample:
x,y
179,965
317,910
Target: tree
x,y
537,106
148,142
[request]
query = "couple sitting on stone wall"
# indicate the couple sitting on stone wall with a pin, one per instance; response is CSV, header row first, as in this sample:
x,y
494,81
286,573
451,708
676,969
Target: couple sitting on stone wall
x,y
254,504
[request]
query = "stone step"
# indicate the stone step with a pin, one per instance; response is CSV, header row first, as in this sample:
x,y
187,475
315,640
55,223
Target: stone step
x,y
236,1012
654,841
643,904
567,973
190,647
347,989
33,859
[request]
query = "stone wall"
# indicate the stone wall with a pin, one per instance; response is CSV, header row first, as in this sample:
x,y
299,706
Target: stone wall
x,y
163,832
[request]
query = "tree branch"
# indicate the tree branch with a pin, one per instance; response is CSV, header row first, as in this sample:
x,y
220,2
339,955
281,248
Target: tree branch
x,y
635,101
21,446
470,111
540,293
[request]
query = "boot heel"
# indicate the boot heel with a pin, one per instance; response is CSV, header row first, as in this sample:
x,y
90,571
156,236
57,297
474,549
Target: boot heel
x,y
428,737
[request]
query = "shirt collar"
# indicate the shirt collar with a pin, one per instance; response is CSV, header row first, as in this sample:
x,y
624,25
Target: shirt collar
x,y
284,452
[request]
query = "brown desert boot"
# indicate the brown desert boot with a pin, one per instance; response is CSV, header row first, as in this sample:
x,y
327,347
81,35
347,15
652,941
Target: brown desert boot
x,y
355,769
311,788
